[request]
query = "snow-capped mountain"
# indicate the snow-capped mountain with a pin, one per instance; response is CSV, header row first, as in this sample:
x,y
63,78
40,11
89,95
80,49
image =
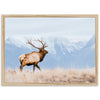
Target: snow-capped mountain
x,y
69,45
62,52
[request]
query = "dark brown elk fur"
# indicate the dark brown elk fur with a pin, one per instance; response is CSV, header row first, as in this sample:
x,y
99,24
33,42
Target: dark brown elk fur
x,y
34,57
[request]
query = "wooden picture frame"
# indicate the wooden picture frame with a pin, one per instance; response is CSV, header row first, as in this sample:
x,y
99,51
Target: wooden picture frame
x,y
49,83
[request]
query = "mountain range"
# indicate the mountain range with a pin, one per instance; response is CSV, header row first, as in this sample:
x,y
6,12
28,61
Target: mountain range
x,y
63,53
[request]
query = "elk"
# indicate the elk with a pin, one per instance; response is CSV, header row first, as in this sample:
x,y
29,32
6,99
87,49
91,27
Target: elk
x,y
34,57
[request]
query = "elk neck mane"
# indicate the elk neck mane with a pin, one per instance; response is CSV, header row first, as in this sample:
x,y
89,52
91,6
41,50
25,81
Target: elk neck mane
x,y
42,55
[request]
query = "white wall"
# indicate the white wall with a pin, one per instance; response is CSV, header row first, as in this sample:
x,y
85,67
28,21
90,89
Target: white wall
x,y
49,7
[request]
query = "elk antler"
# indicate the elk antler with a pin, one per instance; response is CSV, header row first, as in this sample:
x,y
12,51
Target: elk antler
x,y
29,42
43,44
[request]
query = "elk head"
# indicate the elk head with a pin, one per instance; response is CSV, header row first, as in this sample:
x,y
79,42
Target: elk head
x,y
41,49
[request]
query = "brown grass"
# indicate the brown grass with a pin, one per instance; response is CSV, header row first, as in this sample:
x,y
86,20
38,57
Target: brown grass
x,y
57,75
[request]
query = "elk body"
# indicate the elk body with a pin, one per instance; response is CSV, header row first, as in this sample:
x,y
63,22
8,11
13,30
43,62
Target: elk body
x,y
34,57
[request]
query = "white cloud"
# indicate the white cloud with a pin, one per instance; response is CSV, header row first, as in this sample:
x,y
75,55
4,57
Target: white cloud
x,y
57,26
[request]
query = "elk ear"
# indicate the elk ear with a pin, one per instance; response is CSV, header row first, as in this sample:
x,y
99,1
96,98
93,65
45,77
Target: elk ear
x,y
40,49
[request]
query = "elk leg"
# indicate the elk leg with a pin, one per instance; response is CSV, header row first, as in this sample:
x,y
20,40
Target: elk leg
x,y
22,65
33,67
21,68
38,67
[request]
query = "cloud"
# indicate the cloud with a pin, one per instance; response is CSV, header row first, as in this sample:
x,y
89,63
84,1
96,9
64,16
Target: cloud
x,y
56,26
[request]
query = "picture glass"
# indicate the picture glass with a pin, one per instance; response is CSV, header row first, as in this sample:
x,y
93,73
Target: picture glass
x,y
50,50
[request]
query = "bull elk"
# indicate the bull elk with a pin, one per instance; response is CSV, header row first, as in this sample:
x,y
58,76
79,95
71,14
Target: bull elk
x,y
34,57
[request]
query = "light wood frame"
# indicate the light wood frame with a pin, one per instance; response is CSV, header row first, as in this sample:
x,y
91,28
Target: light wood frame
x,y
45,16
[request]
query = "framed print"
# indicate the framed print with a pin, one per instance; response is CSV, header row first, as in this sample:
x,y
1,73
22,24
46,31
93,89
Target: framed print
x,y
49,50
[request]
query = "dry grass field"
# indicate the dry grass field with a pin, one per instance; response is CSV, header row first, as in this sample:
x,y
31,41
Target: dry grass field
x,y
51,76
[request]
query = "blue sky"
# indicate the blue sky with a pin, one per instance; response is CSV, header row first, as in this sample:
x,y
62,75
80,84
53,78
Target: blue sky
x,y
72,27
